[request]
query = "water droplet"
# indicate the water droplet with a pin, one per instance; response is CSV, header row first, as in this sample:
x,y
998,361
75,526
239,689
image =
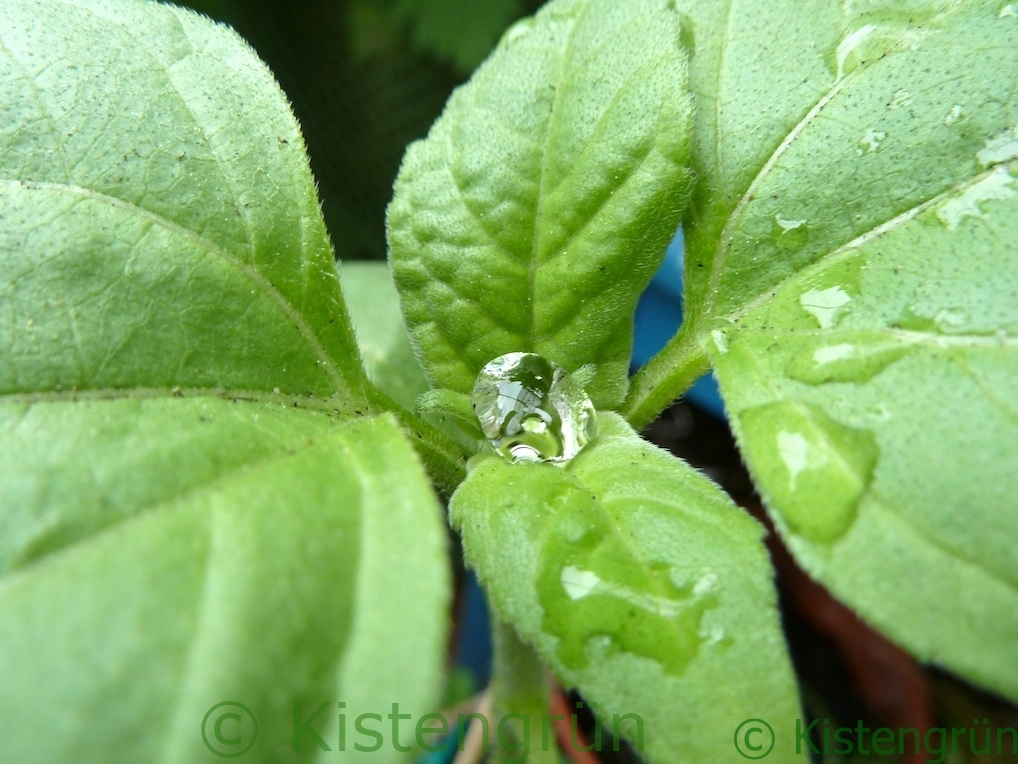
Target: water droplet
x,y
996,185
1008,11
954,115
518,30
578,583
824,304
787,225
849,46
1000,149
857,361
900,99
720,340
531,410
870,141
813,469
600,598
790,233
945,320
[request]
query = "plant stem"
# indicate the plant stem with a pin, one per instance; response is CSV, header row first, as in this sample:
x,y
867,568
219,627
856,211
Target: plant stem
x,y
520,692
665,377
443,457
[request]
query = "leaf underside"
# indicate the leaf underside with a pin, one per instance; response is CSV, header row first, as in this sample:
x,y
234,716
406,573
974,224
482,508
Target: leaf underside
x,y
640,583
186,463
851,269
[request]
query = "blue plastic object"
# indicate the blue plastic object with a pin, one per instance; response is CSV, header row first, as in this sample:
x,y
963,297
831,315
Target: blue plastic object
x,y
658,317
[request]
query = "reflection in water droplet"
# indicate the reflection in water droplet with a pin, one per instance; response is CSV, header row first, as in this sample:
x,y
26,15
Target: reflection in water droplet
x,y
996,185
531,410
812,468
824,304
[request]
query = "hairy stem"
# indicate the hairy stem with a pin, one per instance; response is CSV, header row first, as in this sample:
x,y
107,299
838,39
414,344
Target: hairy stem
x,y
665,377
443,457
521,700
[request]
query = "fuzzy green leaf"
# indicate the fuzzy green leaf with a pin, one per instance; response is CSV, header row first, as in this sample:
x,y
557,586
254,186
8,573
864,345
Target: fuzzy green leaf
x,y
640,583
539,206
851,268
385,347
160,226
217,551
175,530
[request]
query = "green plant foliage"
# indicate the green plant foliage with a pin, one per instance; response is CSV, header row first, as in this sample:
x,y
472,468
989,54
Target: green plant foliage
x,y
851,265
129,194
191,510
539,205
462,32
219,551
384,345
640,583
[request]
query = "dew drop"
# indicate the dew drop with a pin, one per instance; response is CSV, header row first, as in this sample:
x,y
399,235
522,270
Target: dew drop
x,y
848,46
531,410
720,340
954,115
790,233
995,186
858,361
824,304
1008,11
518,30
1000,149
871,141
600,599
900,100
814,469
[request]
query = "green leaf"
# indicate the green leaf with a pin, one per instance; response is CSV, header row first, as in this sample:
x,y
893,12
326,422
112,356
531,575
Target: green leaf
x,y
851,269
218,551
639,582
462,32
181,523
384,345
539,206
160,224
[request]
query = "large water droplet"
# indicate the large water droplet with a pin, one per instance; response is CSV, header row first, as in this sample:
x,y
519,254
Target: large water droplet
x,y
531,410
601,599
